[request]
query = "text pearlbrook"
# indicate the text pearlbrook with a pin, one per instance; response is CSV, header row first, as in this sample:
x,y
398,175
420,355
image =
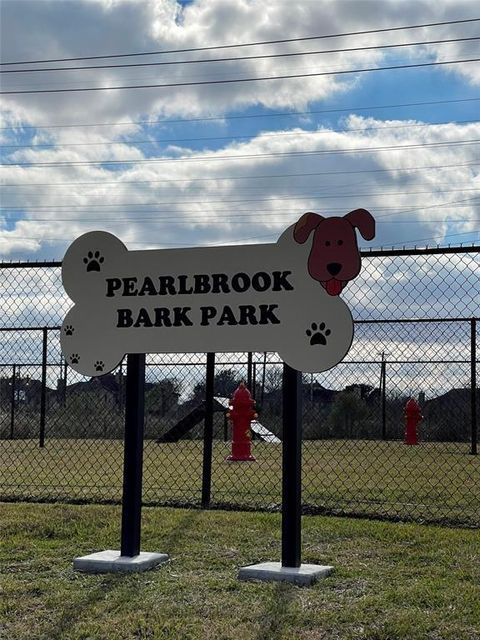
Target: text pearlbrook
x,y
198,284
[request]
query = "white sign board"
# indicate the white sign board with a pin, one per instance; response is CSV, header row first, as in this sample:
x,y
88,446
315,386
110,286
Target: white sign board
x,y
279,297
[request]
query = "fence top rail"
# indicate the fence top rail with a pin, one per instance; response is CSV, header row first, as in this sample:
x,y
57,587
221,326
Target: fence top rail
x,y
403,320
31,264
404,251
42,328
367,321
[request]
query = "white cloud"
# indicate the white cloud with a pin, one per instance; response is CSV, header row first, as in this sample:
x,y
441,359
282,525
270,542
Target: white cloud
x,y
206,207
191,202
44,30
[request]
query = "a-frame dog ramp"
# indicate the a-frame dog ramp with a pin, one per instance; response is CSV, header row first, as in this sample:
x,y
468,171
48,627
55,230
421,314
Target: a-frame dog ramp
x,y
196,415
183,426
258,429
263,433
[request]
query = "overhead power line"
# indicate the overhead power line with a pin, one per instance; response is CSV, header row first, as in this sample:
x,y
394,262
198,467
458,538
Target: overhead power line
x,y
434,238
244,44
119,183
311,192
284,114
226,214
239,80
278,134
273,234
240,156
175,220
222,201
290,54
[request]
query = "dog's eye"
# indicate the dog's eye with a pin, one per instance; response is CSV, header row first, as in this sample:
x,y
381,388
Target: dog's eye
x,y
339,241
327,243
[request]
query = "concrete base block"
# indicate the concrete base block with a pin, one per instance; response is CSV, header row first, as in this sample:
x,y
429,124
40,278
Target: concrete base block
x,y
304,575
111,561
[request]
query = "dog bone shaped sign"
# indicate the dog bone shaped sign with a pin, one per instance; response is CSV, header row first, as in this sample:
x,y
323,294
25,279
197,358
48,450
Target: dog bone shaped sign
x,y
270,297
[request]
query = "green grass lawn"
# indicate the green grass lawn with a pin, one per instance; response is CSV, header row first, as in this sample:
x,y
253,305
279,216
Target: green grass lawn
x,y
391,581
430,482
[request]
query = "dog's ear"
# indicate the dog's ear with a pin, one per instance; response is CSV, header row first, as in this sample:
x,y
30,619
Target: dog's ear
x,y
306,225
364,221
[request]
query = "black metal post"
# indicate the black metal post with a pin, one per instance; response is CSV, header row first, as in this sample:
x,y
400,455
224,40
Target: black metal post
x,y
225,427
253,390
133,455
291,468
12,402
249,371
383,379
65,378
43,391
473,385
263,377
120,387
208,432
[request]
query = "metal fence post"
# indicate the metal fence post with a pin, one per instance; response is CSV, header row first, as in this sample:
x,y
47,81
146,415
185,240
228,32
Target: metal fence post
x,y
473,385
249,370
291,468
133,455
12,403
263,377
120,387
383,378
43,392
65,378
208,432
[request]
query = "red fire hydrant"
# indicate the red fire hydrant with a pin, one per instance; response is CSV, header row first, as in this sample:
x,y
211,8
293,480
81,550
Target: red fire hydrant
x,y
241,415
413,416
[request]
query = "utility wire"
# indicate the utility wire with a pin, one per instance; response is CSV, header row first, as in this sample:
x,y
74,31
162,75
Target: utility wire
x,y
242,58
235,80
274,234
244,44
240,157
434,238
278,134
241,117
308,189
357,194
118,183
203,214
247,213
176,220
239,197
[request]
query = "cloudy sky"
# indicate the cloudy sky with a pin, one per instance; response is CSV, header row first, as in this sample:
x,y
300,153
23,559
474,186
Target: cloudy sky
x,y
239,116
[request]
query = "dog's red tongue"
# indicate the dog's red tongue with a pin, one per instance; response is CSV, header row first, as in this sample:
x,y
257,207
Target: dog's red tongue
x,y
334,286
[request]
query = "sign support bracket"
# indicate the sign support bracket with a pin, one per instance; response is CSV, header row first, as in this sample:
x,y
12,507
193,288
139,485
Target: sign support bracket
x,y
290,569
133,455
129,558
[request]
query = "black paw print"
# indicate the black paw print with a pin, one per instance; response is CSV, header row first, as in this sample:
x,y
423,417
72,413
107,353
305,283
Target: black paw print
x,y
318,334
74,358
69,330
99,365
93,261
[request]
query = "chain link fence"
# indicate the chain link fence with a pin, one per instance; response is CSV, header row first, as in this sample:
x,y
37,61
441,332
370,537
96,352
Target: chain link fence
x,y
416,335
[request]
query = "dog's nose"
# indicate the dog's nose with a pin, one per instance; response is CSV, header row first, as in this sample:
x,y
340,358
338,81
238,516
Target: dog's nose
x,y
333,268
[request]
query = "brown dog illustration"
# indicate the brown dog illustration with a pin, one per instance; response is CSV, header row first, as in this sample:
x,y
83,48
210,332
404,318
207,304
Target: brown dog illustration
x,y
334,257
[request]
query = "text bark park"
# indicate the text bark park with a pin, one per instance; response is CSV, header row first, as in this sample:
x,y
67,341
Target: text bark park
x,y
216,283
